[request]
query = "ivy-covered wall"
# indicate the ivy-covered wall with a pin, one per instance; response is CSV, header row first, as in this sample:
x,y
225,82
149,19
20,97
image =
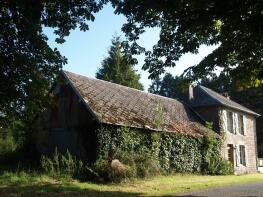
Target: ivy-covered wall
x,y
173,151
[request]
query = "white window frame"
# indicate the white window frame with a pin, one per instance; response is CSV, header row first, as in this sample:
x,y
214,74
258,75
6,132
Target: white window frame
x,y
241,116
224,120
245,124
235,123
232,121
237,155
243,161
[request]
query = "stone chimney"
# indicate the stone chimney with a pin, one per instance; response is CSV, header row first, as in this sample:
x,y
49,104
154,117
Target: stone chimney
x,y
191,92
225,94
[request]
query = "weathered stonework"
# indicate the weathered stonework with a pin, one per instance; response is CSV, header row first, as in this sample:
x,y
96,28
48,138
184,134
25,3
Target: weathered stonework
x,y
228,119
248,140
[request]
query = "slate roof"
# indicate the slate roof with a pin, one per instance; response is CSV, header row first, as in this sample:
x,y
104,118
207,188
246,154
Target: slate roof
x,y
119,105
203,96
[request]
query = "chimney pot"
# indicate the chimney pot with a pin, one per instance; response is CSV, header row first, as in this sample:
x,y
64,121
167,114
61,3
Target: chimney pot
x,y
191,93
225,94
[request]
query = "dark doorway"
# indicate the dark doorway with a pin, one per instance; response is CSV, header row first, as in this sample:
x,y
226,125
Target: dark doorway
x,y
230,153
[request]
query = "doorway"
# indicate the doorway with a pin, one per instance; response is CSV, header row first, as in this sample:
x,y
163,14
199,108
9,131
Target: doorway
x,y
230,153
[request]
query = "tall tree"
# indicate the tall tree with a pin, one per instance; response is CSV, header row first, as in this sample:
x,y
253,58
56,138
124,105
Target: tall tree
x,y
118,67
28,66
236,26
170,86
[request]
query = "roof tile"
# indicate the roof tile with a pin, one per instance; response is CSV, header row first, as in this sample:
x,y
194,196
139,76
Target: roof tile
x,y
204,97
120,105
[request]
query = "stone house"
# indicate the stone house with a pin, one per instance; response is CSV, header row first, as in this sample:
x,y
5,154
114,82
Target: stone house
x,y
236,123
83,104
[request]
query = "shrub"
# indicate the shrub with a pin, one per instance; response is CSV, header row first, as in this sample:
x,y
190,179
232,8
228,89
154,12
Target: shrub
x,y
113,171
214,164
59,165
125,165
11,137
8,149
7,145
146,166
102,168
141,164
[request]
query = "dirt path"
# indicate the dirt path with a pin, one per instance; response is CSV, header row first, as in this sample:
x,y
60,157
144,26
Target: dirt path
x,y
248,190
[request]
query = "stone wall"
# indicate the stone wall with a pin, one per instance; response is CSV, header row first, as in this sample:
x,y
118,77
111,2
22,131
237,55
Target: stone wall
x,y
252,98
249,140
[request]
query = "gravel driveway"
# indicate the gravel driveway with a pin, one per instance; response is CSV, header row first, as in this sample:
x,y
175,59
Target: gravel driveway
x,y
248,190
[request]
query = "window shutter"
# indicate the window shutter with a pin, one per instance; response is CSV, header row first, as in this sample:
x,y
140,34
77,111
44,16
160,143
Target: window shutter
x,y
224,120
237,156
235,123
246,155
245,124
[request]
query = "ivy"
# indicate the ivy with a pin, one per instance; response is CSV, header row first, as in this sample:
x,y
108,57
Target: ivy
x,y
174,152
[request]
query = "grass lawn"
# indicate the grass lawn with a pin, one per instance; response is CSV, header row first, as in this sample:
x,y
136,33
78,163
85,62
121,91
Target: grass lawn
x,y
23,184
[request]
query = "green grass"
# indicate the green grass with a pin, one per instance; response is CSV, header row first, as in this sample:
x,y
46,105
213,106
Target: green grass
x,y
24,184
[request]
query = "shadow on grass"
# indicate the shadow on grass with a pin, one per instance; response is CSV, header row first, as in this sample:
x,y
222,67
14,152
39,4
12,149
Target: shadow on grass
x,y
47,189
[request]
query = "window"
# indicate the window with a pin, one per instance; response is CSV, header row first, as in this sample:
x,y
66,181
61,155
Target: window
x,y
230,122
241,124
260,162
230,153
242,152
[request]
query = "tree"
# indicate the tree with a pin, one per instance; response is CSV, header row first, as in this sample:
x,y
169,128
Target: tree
x,y
118,67
235,26
225,83
170,86
28,66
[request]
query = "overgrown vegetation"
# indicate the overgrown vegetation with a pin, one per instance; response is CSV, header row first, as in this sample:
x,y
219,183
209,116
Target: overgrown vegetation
x,y
11,141
125,153
7,145
66,166
214,164
143,154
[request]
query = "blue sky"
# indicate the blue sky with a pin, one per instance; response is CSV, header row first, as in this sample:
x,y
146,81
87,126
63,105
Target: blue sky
x,y
86,50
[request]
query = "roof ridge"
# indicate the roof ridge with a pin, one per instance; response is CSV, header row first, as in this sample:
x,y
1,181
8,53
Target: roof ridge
x,y
134,108
205,89
104,81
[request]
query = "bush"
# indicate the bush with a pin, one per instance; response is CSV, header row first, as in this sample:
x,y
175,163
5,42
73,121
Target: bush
x,y
214,164
141,164
59,165
219,166
7,146
11,143
126,165
102,168
146,166
114,171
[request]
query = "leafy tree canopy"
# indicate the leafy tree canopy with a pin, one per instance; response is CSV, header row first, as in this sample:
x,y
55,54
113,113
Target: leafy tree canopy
x,y
118,67
225,83
28,66
235,26
170,86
